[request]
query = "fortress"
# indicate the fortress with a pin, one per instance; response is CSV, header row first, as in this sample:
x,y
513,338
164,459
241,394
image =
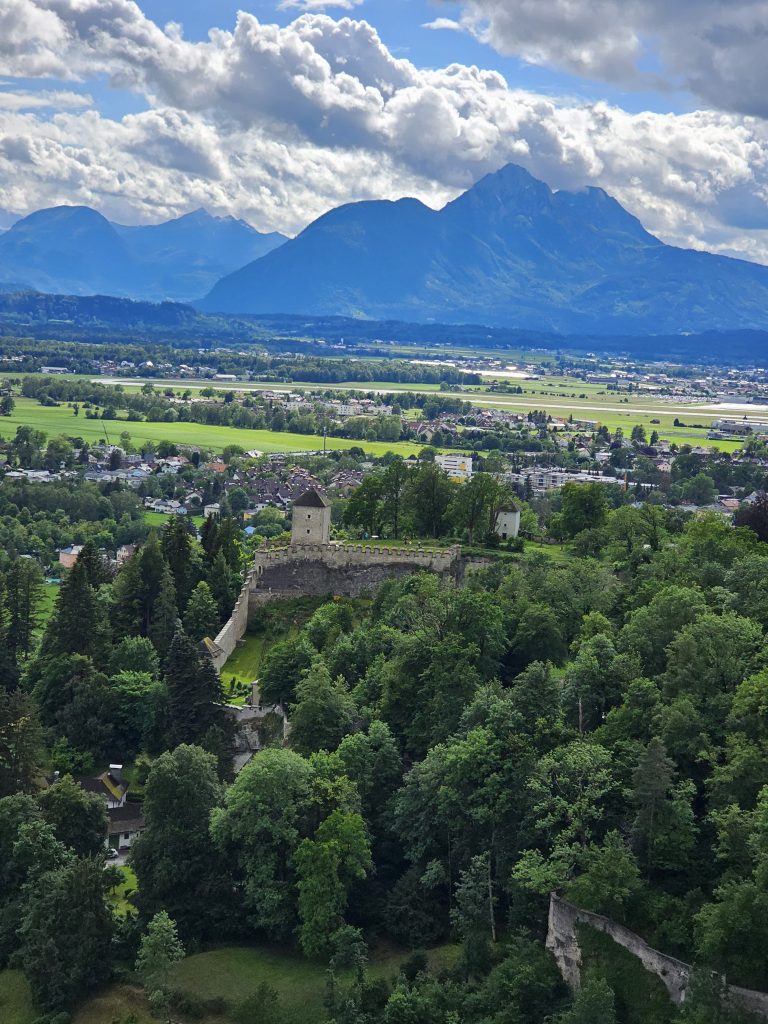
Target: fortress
x,y
314,565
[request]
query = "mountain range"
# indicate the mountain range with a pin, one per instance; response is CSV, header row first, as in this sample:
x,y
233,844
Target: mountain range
x,y
508,252
77,251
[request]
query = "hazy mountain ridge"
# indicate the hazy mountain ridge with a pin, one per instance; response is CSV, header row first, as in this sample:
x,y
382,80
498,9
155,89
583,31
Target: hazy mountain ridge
x,y
75,250
508,252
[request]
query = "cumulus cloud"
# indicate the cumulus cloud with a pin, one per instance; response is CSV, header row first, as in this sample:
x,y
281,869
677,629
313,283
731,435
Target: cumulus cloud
x,y
713,48
319,5
278,124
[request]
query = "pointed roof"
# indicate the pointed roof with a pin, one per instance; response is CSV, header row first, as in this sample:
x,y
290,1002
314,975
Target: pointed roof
x,y
311,499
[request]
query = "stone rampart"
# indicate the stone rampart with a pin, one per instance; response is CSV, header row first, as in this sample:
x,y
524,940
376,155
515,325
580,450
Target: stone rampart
x,y
234,628
344,570
563,941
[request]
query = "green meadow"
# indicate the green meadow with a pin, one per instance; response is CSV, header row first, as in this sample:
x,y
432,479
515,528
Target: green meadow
x,y
61,420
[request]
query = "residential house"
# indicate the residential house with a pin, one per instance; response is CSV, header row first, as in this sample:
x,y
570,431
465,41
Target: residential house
x,y
68,556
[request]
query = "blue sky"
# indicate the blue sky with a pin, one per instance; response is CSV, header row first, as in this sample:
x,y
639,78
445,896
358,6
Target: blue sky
x,y
400,24
281,116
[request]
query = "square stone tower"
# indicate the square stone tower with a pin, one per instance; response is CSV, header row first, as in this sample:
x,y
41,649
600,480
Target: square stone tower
x,y
311,523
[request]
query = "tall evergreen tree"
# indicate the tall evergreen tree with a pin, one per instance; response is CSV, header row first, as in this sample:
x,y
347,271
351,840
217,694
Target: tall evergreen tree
x,y
163,623
79,623
66,934
201,618
126,615
151,565
223,584
23,591
209,535
95,566
176,544
194,691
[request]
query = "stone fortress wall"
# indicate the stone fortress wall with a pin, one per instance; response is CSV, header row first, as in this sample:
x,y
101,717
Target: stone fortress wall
x,y
562,940
344,570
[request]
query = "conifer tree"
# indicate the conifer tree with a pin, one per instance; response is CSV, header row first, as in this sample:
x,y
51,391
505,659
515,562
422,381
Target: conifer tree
x,y
95,568
194,691
79,624
223,585
201,618
152,565
23,591
209,535
127,599
164,619
176,545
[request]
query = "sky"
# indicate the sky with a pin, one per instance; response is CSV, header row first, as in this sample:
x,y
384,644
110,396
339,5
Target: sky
x,y
276,112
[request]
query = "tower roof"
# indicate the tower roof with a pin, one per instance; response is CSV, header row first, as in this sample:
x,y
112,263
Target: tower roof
x,y
311,499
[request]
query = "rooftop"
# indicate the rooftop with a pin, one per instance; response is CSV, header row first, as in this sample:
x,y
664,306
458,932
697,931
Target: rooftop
x,y
312,499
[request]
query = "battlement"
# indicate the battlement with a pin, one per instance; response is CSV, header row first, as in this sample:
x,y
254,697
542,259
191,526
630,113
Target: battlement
x,y
342,556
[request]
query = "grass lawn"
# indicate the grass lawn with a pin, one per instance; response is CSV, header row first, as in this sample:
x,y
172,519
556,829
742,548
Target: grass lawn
x,y
15,999
158,519
120,896
276,621
235,972
61,420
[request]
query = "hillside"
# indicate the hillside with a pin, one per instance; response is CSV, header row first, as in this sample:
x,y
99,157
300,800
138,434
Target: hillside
x,y
509,252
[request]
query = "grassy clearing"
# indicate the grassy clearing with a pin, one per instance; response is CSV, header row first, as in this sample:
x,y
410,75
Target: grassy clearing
x,y
61,420
15,999
120,896
245,663
233,973
279,620
158,520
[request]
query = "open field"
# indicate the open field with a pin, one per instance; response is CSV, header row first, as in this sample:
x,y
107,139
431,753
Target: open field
x,y
559,396
61,420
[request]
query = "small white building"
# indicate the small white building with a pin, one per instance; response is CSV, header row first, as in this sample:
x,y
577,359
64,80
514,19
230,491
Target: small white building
x,y
508,522
458,467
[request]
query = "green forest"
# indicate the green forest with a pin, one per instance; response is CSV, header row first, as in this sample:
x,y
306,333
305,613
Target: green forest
x,y
595,726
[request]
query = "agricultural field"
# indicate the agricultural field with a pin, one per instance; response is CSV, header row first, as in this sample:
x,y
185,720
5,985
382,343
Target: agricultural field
x,y
559,396
61,420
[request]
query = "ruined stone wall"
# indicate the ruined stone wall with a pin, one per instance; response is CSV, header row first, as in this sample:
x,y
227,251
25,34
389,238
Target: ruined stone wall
x,y
346,570
234,628
562,940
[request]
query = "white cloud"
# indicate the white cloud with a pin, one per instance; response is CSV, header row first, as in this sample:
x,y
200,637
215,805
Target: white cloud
x,y
713,48
277,125
448,24
59,99
319,5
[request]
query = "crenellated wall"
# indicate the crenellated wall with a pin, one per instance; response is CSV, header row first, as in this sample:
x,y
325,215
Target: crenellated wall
x,y
344,570
562,940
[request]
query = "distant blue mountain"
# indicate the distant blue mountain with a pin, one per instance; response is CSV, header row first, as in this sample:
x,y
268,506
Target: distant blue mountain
x,y
75,250
509,252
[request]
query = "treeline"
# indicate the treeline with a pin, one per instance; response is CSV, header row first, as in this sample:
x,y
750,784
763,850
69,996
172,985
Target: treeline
x,y
40,520
405,500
